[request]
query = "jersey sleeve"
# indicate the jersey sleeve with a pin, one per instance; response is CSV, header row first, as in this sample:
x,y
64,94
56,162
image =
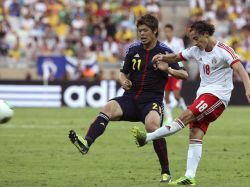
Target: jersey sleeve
x,y
188,53
178,65
229,55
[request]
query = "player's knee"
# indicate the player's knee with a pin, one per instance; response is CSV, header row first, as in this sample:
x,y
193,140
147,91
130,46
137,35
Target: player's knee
x,y
111,109
151,125
196,133
187,116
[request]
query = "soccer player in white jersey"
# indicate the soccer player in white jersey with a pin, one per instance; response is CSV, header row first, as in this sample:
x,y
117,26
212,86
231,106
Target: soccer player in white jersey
x,y
217,61
173,84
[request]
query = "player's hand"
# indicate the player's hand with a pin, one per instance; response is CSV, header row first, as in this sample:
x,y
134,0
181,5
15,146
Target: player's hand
x,y
126,84
157,58
161,66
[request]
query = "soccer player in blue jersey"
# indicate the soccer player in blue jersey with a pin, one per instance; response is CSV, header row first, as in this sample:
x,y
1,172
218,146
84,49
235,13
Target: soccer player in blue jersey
x,y
144,88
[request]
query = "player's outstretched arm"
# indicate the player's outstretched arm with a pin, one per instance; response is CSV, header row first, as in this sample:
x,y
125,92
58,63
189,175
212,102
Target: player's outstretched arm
x,y
179,74
238,67
168,58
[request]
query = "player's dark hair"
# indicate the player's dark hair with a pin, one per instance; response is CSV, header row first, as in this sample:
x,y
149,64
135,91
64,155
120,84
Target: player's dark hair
x,y
169,26
150,21
203,27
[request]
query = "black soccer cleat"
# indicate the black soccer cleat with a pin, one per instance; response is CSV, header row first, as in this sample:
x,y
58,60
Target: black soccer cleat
x,y
80,143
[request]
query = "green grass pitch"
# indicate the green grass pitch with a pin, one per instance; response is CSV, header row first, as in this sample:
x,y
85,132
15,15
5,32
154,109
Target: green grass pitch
x,y
35,152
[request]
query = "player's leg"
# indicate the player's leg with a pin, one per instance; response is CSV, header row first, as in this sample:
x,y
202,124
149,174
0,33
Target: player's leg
x,y
196,111
196,135
193,158
142,138
180,100
167,105
111,111
167,108
153,121
203,106
177,84
185,118
210,111
194,151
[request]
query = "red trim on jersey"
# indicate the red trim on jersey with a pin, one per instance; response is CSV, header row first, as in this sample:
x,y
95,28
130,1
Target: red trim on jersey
x,y
182,58
228,49
235,61
143,75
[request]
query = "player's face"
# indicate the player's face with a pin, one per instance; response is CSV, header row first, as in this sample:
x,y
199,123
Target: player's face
x,y
145,34
199,40
168,33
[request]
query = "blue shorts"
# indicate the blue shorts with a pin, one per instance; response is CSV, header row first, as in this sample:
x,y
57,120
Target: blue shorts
x,y
136,111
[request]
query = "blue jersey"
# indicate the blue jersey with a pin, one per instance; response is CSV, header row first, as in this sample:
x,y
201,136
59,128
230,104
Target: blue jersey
x,y
147,82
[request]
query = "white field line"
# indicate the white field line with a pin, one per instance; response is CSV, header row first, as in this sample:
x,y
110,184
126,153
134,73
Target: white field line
x,y
55,126
11,126
61,126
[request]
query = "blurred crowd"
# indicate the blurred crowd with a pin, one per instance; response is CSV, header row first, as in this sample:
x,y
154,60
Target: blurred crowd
x,y
90,32
232,21
94,31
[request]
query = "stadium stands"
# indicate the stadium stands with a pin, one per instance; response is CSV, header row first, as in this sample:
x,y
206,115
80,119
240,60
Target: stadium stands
x,y
94,34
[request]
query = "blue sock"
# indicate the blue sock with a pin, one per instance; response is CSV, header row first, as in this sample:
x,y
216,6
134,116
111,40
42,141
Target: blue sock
x,y
97,128
160,147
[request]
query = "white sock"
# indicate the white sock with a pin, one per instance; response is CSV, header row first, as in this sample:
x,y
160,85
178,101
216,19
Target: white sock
x,y
168,112
166,130
182,104
193,158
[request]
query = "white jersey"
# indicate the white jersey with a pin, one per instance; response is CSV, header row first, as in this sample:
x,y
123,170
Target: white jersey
x,y
176,44
215,69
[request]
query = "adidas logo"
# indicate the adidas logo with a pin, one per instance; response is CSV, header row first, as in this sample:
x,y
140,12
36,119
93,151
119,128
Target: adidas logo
x,y
137,55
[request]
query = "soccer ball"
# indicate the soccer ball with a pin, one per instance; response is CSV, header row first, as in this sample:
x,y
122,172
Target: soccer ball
x,y
6,112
